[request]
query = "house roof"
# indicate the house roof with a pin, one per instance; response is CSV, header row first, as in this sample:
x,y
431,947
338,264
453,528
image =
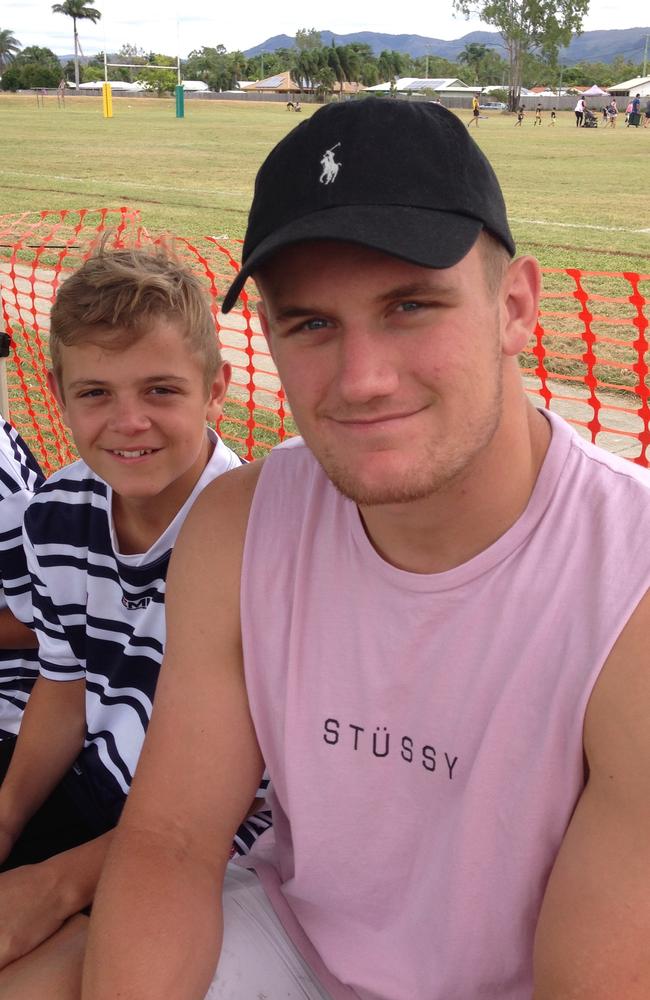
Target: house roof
x,y
281,83
414,83
637,81
113,84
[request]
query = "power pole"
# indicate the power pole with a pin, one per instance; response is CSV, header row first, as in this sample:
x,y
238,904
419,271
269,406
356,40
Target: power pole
x,y
645,56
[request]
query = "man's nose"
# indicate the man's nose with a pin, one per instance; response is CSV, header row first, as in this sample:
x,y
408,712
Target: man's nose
x,y
366,366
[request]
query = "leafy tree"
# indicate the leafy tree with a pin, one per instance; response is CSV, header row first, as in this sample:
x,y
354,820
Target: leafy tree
x,y
32,67
472,56
92,74
542,26
493,69
11,79
37,54
622,69
78,10
335,65
434,67
9,46
215,66
269,63
308,38
162,81
326,81
390,65
309,66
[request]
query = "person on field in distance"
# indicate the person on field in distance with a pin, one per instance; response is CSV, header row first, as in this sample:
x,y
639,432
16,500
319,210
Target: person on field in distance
x,y
476,111
138,374
580,111
429,617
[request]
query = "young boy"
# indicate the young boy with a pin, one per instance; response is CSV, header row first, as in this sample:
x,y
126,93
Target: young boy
x,y
520,116
137,374
538,115
553,116
20,475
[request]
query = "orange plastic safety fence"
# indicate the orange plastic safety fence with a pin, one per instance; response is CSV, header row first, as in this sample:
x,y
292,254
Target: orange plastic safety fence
x,y
589,360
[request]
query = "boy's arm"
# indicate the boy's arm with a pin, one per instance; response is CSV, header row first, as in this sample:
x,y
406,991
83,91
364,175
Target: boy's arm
x,y
36,900
198,773
53,725
13,634
51,738
592,936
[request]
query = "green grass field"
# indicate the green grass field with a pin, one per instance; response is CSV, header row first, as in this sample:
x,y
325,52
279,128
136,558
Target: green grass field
x,y
576,198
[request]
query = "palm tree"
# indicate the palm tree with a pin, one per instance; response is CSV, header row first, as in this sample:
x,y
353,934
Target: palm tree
x,y
471,56
9,46
78,10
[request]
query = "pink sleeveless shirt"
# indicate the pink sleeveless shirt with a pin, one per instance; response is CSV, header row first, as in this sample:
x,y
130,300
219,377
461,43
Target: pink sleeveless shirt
x,y
423,733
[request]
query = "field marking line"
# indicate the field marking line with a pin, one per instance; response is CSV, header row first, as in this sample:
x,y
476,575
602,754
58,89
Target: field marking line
x,y
118,182
578,225
184,190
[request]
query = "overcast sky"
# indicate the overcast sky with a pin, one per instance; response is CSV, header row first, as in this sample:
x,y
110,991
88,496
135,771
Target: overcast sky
x,y
172,26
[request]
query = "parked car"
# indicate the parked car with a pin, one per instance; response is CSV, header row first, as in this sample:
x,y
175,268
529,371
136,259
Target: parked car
x,y
493,106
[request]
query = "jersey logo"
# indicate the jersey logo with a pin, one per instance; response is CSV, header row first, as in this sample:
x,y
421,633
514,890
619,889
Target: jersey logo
x,y
139,605
329,165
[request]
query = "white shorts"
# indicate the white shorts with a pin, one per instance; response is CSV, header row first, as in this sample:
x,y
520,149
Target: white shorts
x,y
258,960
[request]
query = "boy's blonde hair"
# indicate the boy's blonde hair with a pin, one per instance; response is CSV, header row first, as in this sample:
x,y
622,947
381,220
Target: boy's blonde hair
x,y
120,293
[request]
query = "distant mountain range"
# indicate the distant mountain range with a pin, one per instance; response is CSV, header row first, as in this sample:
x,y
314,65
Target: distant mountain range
x,y
591,46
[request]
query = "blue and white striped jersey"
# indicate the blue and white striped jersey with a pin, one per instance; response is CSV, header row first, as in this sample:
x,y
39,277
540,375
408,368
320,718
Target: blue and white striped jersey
x,y
99,615
20,475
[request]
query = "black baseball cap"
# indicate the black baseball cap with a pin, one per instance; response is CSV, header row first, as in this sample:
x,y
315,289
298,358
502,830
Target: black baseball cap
x,y
398,176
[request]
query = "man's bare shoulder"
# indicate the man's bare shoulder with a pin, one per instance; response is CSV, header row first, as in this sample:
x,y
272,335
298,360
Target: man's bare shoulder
x,y
225,503
622,691
210,544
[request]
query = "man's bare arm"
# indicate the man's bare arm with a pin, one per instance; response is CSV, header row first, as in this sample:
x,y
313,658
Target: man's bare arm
x,y
197,776
13,634
592,937
51,737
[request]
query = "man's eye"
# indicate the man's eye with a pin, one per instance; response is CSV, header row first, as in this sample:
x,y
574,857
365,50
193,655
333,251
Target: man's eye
x,y
91,394
161,390
410,306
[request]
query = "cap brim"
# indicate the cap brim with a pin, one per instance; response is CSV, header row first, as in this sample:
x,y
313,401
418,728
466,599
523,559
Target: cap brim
x,y
422,236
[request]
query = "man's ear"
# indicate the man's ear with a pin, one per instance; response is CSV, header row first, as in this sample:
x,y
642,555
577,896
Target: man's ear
x,y
55,389
520,293
218,391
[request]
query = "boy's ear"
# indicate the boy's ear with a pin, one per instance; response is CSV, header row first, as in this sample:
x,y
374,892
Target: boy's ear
x,y
55,389
218,391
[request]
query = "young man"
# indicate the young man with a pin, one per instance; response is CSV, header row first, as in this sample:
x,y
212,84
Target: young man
x,y
20,475
429,618
538,115
137,374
